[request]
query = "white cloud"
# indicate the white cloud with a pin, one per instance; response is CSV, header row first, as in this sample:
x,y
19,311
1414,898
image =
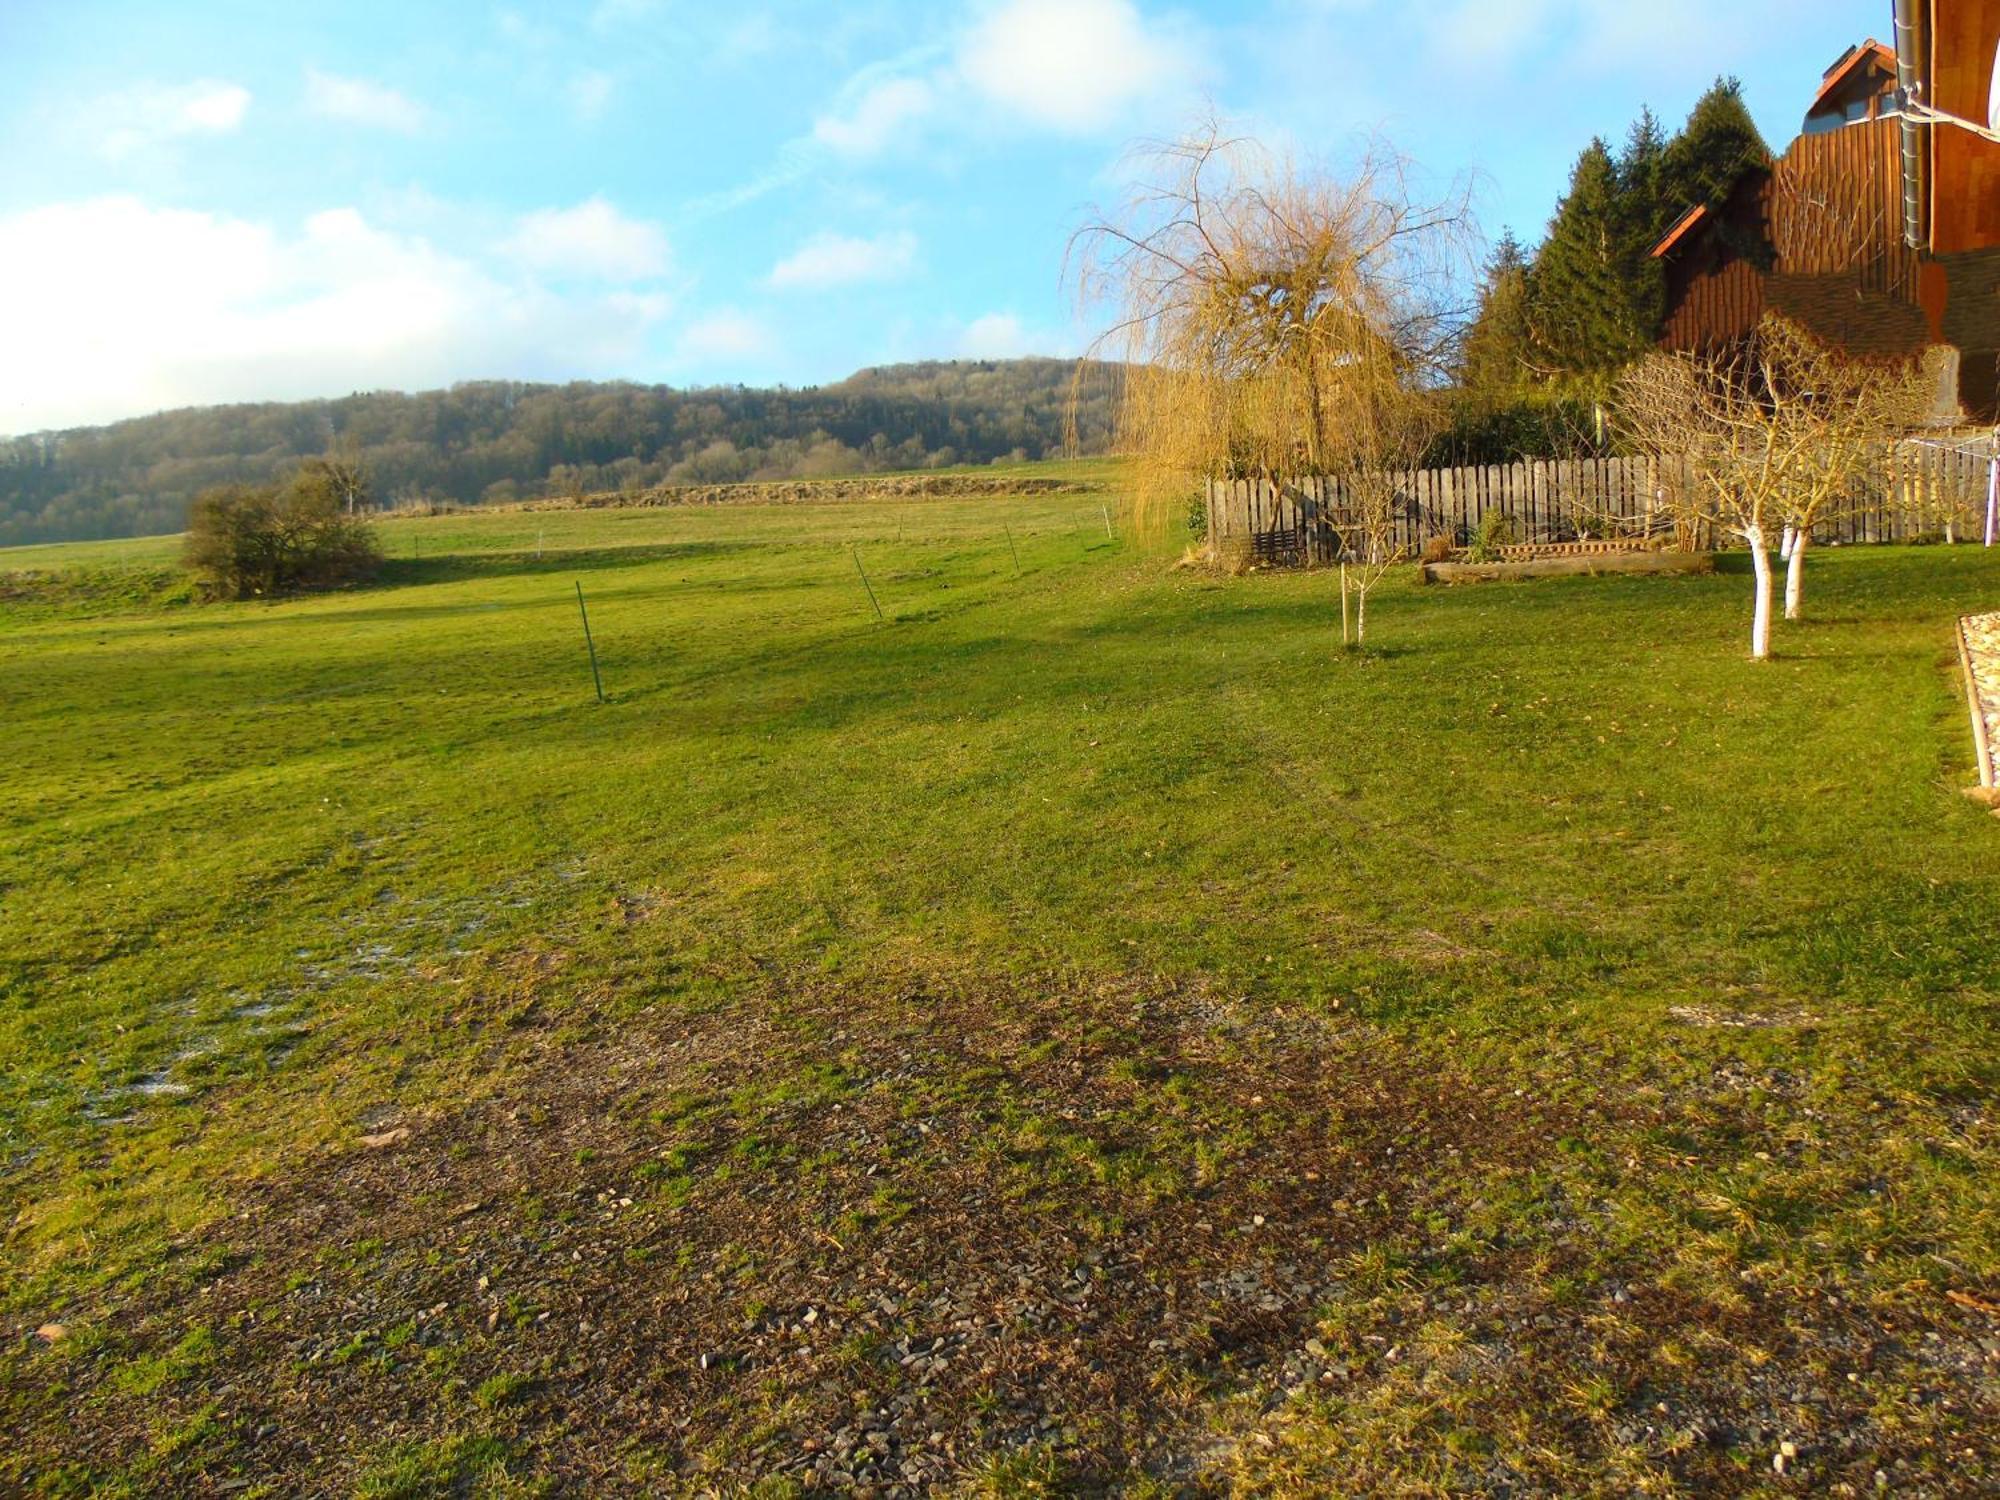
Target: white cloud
x,y
1480,38
830,260
356,101
528,35
882,113
216,107
151,115
1072,65
592,239
754,36
610,14
726,336
590,93
996,336
114,307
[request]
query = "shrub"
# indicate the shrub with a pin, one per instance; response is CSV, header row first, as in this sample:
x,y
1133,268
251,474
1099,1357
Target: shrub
x,y
1496,530
253,542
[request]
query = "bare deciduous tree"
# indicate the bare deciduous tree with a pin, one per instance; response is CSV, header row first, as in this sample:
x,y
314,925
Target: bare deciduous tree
x,y
1776,432
1844,416
1939,482
1277,323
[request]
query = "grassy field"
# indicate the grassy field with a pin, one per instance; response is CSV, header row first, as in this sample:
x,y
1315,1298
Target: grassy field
x,y
1083,1033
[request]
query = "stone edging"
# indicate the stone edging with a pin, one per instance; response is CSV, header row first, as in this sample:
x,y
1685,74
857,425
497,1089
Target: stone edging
x,y
1979,654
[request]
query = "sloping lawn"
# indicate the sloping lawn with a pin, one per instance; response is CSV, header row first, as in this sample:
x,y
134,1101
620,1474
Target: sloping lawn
x,y
1085,1033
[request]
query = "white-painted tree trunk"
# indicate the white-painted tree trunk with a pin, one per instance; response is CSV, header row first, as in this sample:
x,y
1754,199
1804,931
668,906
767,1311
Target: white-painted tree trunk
x,y
1361,617
1760,621
1785,546
1795,578
1951,531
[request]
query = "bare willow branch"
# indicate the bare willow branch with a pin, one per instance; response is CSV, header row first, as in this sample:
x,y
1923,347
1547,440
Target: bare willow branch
x,y
1275,322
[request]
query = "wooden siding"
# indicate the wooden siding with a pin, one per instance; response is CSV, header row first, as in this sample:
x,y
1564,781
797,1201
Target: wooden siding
x,y
1836,209
1830,215
1971,314
1965,170
1713,304
1715,289
1866,324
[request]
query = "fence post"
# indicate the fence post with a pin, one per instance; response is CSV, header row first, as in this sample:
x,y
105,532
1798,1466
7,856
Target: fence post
x,y
588,644
1992,499
865,583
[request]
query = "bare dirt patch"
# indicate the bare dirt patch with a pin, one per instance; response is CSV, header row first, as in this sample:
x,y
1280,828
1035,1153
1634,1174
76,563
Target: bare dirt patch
x,y
1045,1240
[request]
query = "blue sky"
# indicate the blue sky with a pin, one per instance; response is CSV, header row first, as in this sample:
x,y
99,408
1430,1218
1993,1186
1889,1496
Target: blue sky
x,y
213,200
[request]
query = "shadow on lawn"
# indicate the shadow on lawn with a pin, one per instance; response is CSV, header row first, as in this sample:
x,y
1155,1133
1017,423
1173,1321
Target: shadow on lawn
x,y
459,567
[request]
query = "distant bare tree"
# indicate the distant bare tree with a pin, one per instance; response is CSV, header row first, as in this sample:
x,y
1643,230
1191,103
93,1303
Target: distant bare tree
x,y
341,476
1278,322
1936,484
248,541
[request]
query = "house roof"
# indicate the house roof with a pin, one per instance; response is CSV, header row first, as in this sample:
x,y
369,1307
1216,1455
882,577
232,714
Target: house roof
x,y
1851,60
1683,227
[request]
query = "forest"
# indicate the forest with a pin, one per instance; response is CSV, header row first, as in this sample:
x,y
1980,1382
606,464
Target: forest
x,y
497,441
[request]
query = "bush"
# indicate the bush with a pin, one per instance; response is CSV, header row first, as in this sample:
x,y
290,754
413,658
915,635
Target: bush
x,y
1518,426
248,541
1496,530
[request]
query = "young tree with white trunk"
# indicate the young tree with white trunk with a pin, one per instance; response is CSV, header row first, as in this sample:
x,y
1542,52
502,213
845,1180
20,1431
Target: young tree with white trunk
x,y
1845,415
1723,451
1778,432
1940,482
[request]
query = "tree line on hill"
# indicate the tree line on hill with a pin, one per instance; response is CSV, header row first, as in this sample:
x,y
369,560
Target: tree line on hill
x,y
1556,324
1553,326
497,441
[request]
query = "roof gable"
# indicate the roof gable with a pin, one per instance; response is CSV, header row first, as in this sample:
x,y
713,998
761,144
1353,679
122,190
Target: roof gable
x,y
1852,67
1684,226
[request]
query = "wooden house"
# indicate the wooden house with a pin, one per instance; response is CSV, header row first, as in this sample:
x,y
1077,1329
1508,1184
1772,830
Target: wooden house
x,y
1843,238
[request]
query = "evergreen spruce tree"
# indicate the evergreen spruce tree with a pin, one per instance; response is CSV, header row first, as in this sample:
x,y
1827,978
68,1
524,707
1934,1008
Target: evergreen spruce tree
x,y
1719,143
1498,354
1580,300
1644,215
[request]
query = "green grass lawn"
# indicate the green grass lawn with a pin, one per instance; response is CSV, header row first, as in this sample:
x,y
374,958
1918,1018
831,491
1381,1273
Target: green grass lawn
x,y
1549,1053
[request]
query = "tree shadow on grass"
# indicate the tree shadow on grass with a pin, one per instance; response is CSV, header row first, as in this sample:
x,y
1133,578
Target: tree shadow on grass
x,y
458,567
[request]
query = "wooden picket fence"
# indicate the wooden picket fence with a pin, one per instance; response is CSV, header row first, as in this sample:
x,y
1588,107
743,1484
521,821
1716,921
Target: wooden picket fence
x,y
1311,520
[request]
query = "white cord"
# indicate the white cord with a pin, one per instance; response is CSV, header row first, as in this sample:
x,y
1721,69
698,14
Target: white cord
x,y
1923,114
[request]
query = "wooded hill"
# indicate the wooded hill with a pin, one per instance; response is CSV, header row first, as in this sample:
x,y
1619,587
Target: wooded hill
x,y
503,440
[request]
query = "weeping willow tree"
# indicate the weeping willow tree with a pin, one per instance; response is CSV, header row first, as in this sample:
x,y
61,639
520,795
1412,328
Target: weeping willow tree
x,y
1276,323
